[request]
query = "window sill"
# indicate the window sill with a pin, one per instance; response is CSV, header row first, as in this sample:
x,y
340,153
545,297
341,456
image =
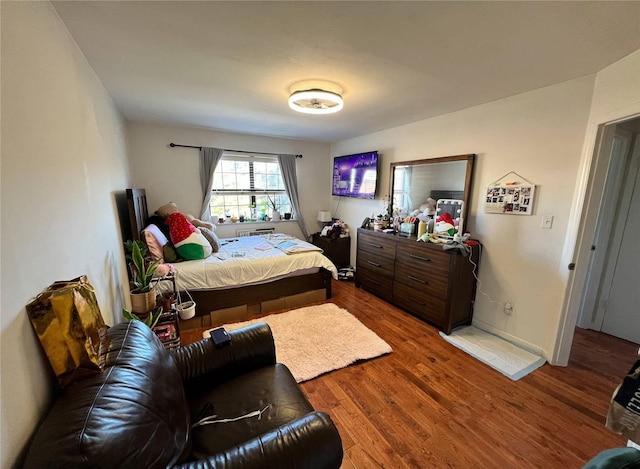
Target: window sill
x,y
256,222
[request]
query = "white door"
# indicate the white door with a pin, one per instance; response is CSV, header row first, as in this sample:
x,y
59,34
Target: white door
x,y
606,240
622,304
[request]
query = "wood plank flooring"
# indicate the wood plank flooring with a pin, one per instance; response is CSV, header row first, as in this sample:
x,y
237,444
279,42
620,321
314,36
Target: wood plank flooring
x,y
430,405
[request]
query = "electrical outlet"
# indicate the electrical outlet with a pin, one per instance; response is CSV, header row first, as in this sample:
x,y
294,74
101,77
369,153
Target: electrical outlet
x,y
508,308
546,221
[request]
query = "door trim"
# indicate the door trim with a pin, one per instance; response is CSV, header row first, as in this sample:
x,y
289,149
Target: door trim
x,y
561,337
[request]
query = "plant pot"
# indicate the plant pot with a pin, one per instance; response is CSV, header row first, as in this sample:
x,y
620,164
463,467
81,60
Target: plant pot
x,y
275,215
166,300
287,216
186,310
143,302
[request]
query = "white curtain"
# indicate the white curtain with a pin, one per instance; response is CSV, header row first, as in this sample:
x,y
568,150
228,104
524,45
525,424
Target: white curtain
x,y
209,158
288,169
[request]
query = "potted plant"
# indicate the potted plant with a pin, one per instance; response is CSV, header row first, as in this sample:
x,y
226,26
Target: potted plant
x,y
150,320
128,253
275,214
143,295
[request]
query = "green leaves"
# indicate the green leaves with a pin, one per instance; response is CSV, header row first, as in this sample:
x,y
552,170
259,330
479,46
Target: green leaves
x,y
128,249
151,320
144,273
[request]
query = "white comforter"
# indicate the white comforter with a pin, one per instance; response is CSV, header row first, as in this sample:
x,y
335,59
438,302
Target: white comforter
x,y
250,259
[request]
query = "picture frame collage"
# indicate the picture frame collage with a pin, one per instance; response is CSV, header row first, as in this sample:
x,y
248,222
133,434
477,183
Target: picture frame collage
x,y
509,198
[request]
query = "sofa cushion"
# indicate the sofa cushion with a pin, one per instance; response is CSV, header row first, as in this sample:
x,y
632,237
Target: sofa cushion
x,y
272,386
134,414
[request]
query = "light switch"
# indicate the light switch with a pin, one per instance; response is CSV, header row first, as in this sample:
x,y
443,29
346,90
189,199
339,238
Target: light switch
x,y
546,222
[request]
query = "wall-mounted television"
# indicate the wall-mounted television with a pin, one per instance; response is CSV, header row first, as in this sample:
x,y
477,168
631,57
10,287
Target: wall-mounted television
x,y
356,175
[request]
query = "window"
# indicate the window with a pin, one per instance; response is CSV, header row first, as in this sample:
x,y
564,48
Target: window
x,y
248,186
401,189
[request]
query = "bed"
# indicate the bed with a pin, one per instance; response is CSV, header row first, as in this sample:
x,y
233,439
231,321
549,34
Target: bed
x,y
246,277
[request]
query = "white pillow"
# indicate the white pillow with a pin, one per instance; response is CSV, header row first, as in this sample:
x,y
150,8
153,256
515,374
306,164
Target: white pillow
x,y
155,240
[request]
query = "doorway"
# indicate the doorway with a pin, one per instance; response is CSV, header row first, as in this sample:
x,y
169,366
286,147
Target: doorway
x,y
612,287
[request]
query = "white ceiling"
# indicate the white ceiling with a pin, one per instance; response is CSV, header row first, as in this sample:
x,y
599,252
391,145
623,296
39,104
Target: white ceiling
x,y
230,65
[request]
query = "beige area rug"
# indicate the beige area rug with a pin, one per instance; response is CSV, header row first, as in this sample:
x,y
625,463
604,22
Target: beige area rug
x,y
317,339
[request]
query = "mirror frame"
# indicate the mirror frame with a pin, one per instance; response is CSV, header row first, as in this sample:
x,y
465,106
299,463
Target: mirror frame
x,y
470,159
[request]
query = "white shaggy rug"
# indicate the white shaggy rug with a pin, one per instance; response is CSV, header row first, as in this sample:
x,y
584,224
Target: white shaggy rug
x,y
316,339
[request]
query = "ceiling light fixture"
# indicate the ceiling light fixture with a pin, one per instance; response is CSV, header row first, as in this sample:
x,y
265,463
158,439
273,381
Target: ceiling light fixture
x,y
315,101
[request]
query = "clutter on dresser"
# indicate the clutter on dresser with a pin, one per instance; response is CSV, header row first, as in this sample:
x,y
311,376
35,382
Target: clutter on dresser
x,y
435,282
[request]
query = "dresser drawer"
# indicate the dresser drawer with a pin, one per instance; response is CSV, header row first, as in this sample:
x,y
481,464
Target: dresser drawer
x,y
421,278
420,303
383,246
374,263
424,259
380,285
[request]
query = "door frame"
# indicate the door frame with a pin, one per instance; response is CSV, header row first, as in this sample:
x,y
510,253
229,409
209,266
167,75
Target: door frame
x,y
581,229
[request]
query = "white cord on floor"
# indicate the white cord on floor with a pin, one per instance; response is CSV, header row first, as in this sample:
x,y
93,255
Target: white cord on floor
x,y
211,418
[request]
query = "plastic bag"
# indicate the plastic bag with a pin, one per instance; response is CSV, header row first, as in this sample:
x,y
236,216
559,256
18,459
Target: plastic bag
x,y
71,329
623,417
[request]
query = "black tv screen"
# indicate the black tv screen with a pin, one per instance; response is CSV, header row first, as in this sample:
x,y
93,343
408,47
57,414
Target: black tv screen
x,y
356,175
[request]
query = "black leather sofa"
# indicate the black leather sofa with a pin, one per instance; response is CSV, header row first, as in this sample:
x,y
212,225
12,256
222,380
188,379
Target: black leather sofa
x,y
139,412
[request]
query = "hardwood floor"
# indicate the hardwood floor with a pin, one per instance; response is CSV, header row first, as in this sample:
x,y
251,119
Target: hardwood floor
x,y
430,405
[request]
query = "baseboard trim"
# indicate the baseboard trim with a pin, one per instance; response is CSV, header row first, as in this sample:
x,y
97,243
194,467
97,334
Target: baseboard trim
x,y
529,347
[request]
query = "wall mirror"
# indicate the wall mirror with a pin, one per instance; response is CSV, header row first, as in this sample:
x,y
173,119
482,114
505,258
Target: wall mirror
x,y
413,182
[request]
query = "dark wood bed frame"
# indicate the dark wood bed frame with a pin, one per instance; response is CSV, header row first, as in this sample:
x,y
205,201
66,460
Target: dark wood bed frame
x,y
255,297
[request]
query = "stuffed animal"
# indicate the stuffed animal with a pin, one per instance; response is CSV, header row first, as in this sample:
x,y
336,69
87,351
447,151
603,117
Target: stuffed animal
x,y
429,207
426,210
170,208
189,242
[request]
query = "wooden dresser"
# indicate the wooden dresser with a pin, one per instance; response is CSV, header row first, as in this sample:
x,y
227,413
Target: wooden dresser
x,y
421,278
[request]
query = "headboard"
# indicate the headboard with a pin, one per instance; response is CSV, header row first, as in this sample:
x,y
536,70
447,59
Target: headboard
x,y
447,195
138,214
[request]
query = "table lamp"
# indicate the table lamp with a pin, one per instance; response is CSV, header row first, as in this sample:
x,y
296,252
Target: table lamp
x,y
324,217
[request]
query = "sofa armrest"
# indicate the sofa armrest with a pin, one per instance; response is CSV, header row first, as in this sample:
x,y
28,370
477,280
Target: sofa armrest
x,y
251,347
311,441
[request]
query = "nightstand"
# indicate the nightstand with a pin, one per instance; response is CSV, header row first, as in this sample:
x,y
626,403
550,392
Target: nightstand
x,y
337,250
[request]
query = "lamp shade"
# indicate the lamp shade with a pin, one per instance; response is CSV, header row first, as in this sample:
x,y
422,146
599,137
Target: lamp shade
x,y
324,216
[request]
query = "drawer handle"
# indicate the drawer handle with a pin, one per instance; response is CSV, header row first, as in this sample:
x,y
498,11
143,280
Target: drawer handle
x,y
416,279
374,282
417,301
374,264
376,246
426,259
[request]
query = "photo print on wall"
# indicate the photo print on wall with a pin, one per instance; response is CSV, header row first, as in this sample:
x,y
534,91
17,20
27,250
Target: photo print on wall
x,y
511,198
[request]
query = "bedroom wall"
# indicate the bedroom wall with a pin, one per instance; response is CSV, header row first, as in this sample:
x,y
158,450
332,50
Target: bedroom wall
x,y
171,174
539,135
63,160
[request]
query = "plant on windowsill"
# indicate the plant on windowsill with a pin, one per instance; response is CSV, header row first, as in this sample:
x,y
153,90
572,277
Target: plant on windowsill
x,y
143,295
275,214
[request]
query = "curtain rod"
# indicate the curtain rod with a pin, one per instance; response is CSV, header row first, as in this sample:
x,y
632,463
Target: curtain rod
x,y
227,149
